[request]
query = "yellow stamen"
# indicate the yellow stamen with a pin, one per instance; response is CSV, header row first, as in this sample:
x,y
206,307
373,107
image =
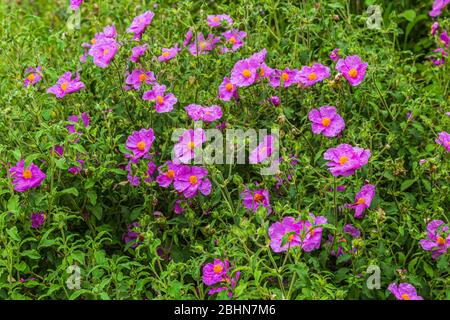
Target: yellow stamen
x,y
246,73
203,45
165,54
258,197
170,174
405,296
361,201
290,237
312,76
216,19
285,76
141,145
440,241
326,122
105,51
343,160
31,77
232,40
229,86
160,99
218,268
353,73
142,77
193,179
93,41
64,85
27,174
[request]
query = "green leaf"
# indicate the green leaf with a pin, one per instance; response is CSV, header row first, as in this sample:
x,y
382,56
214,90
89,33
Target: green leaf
x,y
92,197
13,203
409,15
428,269
13,233
72,191
32,254
406,184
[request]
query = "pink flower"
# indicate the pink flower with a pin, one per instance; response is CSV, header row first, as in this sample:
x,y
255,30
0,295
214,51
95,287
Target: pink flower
x,y
189,141
287,76
168,53
438,238
285,234
345,159
202,45
37,219
207,114
215,272
167,173
326,121
311,75
137,52
363,200
190,180
26,178
103,51
244,72
138,77
263,151
253,199
353,69
404,291
311,233
77,168
438,6
444,38
235,38
188,37
140,143
163,102
444,140
34,75
216,20
140,23
441,59
227,90
274,100
334,55
66,85
434,28
75,4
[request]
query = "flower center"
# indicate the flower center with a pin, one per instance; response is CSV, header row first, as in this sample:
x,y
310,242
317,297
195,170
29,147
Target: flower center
x,y
326,122
31,77
361,201
170,174
160,99
290,237
229,86
64,86
216,19
93,41
405,296
312,76
27,174
262,71
353,73
285,76
141,145
246,73
258,197
191,145
142,77
311,232
218,268
203,45
440,241
193,180
165,54
105,51
343,160
232,40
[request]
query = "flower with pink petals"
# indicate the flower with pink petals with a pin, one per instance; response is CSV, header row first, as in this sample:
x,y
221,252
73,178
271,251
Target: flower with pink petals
x,y
168,53
434,28
287,76
263,151
311,232
345,159
138,77
363,200
334,55
438,238
235,38
353,69
326,121
285,234
444,140
26,178
66,85
190,180
75,4
103,51
227,90
202,45
404,291
244,72
34,75
140,143
137,52
140,23
217,20
438,6
163,102
445,39
189,141
253,199
167,173
309,76
206,114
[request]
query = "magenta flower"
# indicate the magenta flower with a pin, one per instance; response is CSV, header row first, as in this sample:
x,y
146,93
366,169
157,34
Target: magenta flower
x,y
287,76
326,121
75,4
444,140
190,180
216,20
133,235
404,291
244,72
140,143
77,168
37,219
311,75
137,52
253,199
334,55
202,45
138,77
103,51
345,159
167,173
352,230
267,72
206,114
168,53
215,272
438,238
227,90
363,200
59,150
189,141
26,178
434,28
438,6
34,75
285,234
440,60
73,120
163,102
263,151
231,284
188,37
235,38
66,85
274,100
140,23
311,233
444,38
353,69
